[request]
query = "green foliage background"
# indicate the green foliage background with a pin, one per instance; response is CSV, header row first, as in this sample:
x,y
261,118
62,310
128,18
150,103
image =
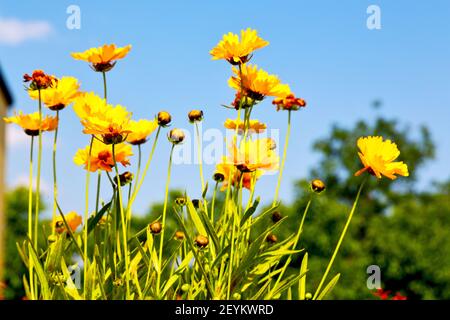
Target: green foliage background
x,y
403,231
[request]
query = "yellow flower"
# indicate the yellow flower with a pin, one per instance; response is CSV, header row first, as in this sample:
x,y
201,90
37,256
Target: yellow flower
x,y
253,125
88,104
102,58
73,221
252,155
378,158
102,157
225,169
140,130
62,93
112,123
30,122
235,50
257,83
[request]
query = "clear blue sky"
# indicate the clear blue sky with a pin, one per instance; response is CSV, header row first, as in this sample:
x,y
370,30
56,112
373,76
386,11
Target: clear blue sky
x,y
321,48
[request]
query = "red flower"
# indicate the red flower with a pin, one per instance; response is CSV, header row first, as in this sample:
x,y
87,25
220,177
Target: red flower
x,y
382,294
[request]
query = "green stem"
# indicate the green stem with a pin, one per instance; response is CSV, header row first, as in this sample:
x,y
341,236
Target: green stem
x,y
200,156
97,197
38,178
105,90
214,202
86,216
30,217
161,242
124,223
55,186
341,238
280,175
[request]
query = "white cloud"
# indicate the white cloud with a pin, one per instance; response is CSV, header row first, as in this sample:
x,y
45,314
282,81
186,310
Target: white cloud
x,y
14,32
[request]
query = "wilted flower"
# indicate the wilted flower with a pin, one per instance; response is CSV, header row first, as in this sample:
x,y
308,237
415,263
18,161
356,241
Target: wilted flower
x,y
164,118
125,178
39,80
176,136
378,158
276,216
253,125
102,58
102,157
195,115
155,227
317,186
289,102
62,93
201,241
73,221
257,83
30,122
235,50
141,130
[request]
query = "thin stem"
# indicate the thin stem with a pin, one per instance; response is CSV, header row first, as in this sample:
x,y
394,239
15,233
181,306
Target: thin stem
x,y
105,90
30,216
55,186
200,156
280,175
97,197
341,238
124,223
38,178
161,241
213,202
138,171
86,215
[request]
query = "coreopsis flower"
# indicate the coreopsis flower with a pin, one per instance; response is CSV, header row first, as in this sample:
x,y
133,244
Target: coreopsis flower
x,y
252,155
62,93
317,186
176,136
141,130
195,116
155,227
88,104
164,118
289,102
201,241
31,124
112,123
73,221
102,156
226,171
39,80
378,158
238,51
102,58
257,83
254,126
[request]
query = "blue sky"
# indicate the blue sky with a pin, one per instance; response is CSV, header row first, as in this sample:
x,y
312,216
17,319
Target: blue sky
x,y
323,49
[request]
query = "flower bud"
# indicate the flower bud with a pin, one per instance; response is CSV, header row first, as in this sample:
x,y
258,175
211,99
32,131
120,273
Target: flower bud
x,y
308,296
276,216
271,238
181,201
317,186
196,203
236,296
155,227
201,241
218,177
179,235
176,136
125,178
195,116
185,287
164,118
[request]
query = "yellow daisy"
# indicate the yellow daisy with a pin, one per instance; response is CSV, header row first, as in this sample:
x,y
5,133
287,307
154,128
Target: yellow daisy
x,y
30,122
254,126
102,58
257,83
378,158
140,130
61,94
235,50
102,156
225,168
252,155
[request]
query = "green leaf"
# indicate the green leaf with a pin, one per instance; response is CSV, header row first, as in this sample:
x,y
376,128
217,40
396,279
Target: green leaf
x,y
329,287
250,211
46,294
92,221
205,191
302,281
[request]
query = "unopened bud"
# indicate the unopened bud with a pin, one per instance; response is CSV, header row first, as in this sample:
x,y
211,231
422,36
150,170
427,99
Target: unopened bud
x,y
317,186
176,136
201,241
164,118
195,116
155,227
